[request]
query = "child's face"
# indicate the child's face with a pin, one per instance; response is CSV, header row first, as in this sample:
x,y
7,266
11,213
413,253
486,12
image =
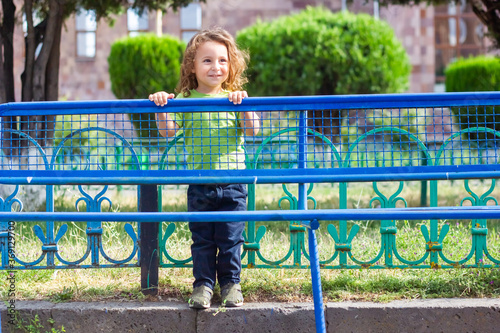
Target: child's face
x,y
211,67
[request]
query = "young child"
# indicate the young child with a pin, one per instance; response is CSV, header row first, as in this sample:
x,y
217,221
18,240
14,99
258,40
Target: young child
x,y
213,66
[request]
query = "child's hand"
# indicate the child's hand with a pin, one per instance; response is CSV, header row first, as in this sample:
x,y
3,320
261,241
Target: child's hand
x,y
237,96
161,98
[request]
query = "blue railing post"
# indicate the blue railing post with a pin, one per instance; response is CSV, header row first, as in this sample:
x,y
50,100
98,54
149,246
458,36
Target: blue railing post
x,y
149,245
301,164
319,314
423,183
49,245
302,160
94,235
4,241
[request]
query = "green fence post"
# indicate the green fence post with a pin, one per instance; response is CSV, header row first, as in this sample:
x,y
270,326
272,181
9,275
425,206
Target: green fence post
x,y
251,226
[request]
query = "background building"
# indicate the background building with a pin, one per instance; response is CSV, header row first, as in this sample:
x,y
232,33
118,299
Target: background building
x,y
432,36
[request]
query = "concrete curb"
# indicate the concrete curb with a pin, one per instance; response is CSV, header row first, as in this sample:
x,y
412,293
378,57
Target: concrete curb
x,y
435,315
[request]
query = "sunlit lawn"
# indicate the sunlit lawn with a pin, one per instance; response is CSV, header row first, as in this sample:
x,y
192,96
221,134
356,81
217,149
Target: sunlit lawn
x,y
285,285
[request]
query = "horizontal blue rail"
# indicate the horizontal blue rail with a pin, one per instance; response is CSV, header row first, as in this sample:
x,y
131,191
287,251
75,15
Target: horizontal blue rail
x,y
295,103
417,213
141,177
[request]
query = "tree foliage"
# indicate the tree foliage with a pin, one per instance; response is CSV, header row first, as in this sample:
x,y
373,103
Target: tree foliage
x,y
317,52
488,11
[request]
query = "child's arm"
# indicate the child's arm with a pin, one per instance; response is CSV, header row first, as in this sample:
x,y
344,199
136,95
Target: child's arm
x,y
250,119
251,123
166,126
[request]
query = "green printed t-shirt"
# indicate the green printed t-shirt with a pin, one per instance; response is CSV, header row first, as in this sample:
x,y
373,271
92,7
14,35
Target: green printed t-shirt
x,y
213,140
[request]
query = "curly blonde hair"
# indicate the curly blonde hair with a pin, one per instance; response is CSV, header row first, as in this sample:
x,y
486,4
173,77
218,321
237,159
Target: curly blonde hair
x,y
237,61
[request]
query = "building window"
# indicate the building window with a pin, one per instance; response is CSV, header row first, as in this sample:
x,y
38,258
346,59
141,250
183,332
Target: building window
x,y
458,34
85,34
190,21
137,22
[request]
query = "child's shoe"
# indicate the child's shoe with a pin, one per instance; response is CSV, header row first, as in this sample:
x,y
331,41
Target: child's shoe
x,y
231,295
201,298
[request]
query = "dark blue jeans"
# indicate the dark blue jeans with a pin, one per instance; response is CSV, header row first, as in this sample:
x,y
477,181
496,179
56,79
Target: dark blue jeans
x,y
216,248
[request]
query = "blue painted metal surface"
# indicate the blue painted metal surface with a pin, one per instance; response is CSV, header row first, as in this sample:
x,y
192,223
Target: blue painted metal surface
x,y
259,103
362,214
319,311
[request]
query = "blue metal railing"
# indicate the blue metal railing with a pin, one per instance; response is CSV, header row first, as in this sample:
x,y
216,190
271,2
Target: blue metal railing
x,y
303,140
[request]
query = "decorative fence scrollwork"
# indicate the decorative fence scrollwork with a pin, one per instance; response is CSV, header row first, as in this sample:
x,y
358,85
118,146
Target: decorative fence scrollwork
x,y
380,135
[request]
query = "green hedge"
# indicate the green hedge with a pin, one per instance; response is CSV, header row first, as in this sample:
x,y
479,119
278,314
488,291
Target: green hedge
x,y
476,74
473,74
141,65
317,52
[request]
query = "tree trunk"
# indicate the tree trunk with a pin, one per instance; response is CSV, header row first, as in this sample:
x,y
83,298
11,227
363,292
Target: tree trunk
x,y
37,124
9,10
29,61
33,39
488,11
4,136
52,76
7,74
40,67
30,42
3,97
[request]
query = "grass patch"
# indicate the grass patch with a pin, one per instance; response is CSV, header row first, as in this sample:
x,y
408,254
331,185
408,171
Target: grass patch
x,y
282,285
262,285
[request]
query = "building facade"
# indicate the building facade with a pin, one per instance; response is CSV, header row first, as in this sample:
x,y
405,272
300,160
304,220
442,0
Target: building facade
x,y
433,37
